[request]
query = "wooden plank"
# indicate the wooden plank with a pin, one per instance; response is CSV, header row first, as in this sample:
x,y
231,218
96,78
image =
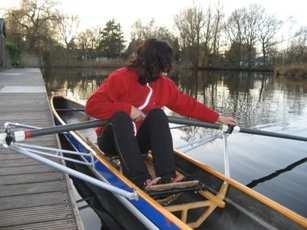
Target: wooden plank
x,y
20,118
17,159
17,162
46,225
35,121
32,195
33,200
31,178
169,186
21,216
12,156
36,100
6,154
25,169
19,189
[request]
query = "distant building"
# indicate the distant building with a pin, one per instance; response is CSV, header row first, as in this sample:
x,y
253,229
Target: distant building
x,y
3,61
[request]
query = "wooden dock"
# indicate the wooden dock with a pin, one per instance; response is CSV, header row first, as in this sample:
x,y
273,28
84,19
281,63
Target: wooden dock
x,y
32,195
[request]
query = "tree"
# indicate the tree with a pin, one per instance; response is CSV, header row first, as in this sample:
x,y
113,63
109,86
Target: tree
x,y
234,31
267,29
297,52
242,28
190,24
217,32
253,19
141,32
68,26
208,33
88,41
14,52
239,54
111,41
33,26
212,35
150,30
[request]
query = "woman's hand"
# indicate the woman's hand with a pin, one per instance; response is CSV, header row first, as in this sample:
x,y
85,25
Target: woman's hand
x,y
227,120
136,114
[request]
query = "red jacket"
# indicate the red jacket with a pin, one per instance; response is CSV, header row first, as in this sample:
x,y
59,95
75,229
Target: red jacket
x,y
121,90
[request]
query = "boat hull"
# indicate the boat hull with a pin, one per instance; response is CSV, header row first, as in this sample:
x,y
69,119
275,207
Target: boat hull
x,y
241,208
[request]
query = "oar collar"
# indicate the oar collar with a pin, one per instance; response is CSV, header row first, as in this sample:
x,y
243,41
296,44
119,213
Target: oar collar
x,y
230,129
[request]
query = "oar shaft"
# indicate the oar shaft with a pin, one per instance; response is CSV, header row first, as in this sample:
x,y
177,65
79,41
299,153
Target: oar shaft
x,y
272,134
8,138
180,120
66,128
185,121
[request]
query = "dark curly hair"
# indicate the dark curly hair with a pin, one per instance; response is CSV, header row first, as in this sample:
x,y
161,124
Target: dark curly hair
x,y
153,57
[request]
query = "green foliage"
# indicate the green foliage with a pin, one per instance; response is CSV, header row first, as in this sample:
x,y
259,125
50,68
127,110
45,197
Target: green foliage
x,y
111,41
14,52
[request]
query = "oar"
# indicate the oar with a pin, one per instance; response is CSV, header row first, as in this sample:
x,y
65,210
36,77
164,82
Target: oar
x,y
192,122
7,138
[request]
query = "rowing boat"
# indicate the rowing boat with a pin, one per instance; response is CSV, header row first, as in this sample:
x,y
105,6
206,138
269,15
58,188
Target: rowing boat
x,y
207,200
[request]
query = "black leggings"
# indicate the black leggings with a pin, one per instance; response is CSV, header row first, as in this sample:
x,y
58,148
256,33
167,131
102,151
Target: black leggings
x,y
154,135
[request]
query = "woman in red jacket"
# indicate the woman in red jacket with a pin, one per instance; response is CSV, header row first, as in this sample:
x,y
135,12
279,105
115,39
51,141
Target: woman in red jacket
x,y
131,98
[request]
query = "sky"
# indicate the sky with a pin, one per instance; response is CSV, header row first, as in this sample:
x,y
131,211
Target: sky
x,y
94,13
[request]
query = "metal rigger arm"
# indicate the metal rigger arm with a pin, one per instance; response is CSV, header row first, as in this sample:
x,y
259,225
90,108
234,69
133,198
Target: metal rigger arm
x,y
10,139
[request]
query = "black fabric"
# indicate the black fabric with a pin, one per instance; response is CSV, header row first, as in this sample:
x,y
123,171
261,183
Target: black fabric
x,y
154,135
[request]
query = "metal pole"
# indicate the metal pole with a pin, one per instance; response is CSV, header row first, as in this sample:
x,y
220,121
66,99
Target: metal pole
x,y
56,156
226,156
49,149
14,124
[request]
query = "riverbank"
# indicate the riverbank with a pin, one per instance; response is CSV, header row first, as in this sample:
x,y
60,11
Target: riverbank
x,y
296,72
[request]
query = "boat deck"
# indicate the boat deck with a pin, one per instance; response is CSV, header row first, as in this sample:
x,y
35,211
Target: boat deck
x,y
32,195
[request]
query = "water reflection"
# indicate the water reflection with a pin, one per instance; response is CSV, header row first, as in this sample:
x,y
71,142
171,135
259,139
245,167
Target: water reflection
x,y
257,100
242,95
254,98
76,83
254,183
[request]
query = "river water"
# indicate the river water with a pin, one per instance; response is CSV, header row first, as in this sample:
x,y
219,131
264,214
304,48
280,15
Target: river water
x,y
272,166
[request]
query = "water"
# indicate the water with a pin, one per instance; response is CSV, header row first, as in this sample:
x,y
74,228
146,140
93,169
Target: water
x,y
272,166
